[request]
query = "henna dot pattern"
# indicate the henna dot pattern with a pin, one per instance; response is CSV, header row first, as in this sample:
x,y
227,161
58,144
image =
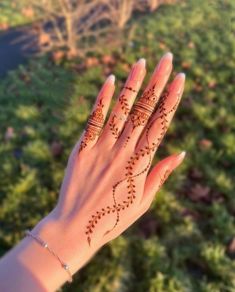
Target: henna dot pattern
x,y
94,125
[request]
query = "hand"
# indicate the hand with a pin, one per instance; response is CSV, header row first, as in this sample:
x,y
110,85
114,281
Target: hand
x,y
107,184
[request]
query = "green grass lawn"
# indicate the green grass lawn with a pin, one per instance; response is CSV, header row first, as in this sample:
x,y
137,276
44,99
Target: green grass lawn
x,y
184,242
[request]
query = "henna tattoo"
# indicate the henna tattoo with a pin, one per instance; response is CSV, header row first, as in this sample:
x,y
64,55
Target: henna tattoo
x,y
161,114
113,127
124,104
125,108
144,107
130,88
126,142
113,122
161,110
94,125
164,178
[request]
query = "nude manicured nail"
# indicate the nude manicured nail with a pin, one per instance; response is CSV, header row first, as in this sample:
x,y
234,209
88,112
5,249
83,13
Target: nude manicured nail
x,y
178,83
168,55
165,63
111,79
138,69
141,61
178,159
181,155
181,75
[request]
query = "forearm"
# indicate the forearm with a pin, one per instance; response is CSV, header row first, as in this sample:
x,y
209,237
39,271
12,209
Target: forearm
x,y
30,267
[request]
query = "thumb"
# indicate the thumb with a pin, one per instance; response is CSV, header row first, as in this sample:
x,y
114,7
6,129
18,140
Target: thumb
x,y
158,176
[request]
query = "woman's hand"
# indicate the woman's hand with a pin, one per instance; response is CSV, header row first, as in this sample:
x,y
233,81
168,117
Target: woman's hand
x,y
107,184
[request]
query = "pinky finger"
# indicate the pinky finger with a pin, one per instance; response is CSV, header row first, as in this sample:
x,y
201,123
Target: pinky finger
x,y
157,178
97,117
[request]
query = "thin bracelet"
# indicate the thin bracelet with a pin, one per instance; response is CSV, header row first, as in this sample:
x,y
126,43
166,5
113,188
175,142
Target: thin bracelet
x,y
45,245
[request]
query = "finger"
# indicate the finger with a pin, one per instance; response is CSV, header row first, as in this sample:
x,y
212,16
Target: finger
x,y
158,176
125,101
142,110
159,122
97,117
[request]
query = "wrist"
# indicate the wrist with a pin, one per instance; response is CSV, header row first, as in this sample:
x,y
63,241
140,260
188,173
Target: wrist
x,y
65,241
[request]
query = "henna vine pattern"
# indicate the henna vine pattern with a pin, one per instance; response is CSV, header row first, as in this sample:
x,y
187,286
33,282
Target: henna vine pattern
x,y
113,122
125,108
124,104
94,125
130,88
113,127
161,114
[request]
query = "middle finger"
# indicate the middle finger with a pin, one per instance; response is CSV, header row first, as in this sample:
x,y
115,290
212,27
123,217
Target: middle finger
x,y
144,107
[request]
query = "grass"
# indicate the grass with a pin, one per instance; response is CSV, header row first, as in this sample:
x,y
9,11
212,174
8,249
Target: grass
x,y
183,242
11,14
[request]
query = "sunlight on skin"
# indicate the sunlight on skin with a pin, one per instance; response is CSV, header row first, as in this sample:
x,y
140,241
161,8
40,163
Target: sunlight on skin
x,y
107,184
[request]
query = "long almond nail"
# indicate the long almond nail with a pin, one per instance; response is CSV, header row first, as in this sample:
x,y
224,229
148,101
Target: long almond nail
x,y
111,79
165,63
141,61
138,68
178,84
177,160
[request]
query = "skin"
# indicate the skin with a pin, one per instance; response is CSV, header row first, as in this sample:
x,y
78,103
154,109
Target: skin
x,y
108,183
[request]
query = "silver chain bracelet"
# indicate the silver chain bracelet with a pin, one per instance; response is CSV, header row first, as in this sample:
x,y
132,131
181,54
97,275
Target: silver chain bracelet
x,y
45,245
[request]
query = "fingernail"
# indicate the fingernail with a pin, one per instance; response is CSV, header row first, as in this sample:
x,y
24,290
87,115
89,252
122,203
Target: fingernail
x,y
177,84
181,75
168,55
162,65
111,79
178,159
141,61
181,155
136,70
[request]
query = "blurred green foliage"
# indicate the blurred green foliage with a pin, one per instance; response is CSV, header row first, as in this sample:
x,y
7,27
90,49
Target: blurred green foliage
x,y
12,13
184,242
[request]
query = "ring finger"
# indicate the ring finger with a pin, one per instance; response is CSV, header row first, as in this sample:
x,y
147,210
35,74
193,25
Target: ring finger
x,y
122,107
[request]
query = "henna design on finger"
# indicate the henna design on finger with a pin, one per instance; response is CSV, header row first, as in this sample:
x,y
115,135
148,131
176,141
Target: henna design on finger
x,y
130,88
124,104
94,125
126,142
164,178
144,107
125,109
113,127
162,114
